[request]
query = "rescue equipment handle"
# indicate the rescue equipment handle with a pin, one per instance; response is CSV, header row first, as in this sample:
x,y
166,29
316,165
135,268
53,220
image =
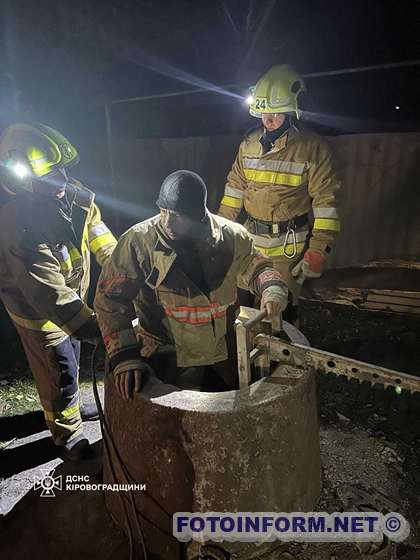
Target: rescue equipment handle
x,y
246,356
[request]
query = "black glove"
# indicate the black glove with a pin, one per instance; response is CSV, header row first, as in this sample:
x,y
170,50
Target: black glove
x,y
130,377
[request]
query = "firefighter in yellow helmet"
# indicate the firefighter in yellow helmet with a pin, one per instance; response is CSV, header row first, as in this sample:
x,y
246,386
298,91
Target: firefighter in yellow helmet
x,y
48,228
283,178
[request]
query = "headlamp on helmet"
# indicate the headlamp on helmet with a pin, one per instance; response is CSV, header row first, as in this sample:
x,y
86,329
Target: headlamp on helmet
x,y
32,151
20,170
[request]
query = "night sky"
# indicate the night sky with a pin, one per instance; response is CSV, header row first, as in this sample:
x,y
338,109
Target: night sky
x,y
61,61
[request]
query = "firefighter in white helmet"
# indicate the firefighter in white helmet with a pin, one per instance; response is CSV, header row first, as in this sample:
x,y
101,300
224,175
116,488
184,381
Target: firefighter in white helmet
x,y
283,177
48,228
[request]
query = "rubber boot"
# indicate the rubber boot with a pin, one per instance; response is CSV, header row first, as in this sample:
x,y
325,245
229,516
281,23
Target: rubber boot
x,y
77,449
89,412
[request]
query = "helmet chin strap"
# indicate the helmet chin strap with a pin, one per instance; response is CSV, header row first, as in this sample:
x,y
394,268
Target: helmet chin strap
x,y
8,190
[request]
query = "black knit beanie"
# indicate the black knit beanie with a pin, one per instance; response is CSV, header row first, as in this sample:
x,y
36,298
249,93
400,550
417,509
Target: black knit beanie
x,y
184,192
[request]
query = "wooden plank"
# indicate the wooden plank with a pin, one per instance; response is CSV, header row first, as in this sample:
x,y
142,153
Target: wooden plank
x,y
387,307
397,293
380,298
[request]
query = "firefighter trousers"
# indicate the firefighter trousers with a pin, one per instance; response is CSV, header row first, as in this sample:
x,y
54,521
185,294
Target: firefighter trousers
x,y
56,372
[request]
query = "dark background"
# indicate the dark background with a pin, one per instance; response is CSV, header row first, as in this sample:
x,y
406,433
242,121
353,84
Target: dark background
x,y
61,61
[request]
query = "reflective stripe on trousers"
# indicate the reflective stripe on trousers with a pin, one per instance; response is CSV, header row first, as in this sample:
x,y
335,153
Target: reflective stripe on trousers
x,y
56,372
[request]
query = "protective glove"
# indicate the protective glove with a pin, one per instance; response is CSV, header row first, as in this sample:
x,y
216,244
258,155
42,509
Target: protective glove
x,y
89,331
130,377
274,300
311,266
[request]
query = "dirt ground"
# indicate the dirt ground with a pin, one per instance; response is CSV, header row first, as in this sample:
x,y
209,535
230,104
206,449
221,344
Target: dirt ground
x,y
363,469
370,449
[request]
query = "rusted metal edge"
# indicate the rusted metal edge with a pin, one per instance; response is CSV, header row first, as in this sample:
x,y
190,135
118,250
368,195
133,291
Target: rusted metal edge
x,y
328,363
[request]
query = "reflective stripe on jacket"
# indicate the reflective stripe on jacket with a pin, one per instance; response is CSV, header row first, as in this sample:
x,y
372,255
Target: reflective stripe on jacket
x,y
144,279
45,260
295,177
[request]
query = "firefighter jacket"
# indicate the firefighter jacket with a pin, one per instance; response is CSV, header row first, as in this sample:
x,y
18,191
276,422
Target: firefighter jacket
x,y
45,260
295,178
146,279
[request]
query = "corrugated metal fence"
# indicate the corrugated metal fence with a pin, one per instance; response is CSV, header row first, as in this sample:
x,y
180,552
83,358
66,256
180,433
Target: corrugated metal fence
x,y
380,199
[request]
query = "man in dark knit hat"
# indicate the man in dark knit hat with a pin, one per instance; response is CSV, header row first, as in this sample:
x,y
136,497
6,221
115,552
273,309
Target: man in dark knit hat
x,y
178,273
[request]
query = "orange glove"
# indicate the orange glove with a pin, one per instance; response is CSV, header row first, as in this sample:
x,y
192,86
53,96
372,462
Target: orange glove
x,y
311,266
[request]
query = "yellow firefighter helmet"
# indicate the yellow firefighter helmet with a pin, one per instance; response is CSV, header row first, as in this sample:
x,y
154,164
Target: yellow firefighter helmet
x,y
32,151
276,92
